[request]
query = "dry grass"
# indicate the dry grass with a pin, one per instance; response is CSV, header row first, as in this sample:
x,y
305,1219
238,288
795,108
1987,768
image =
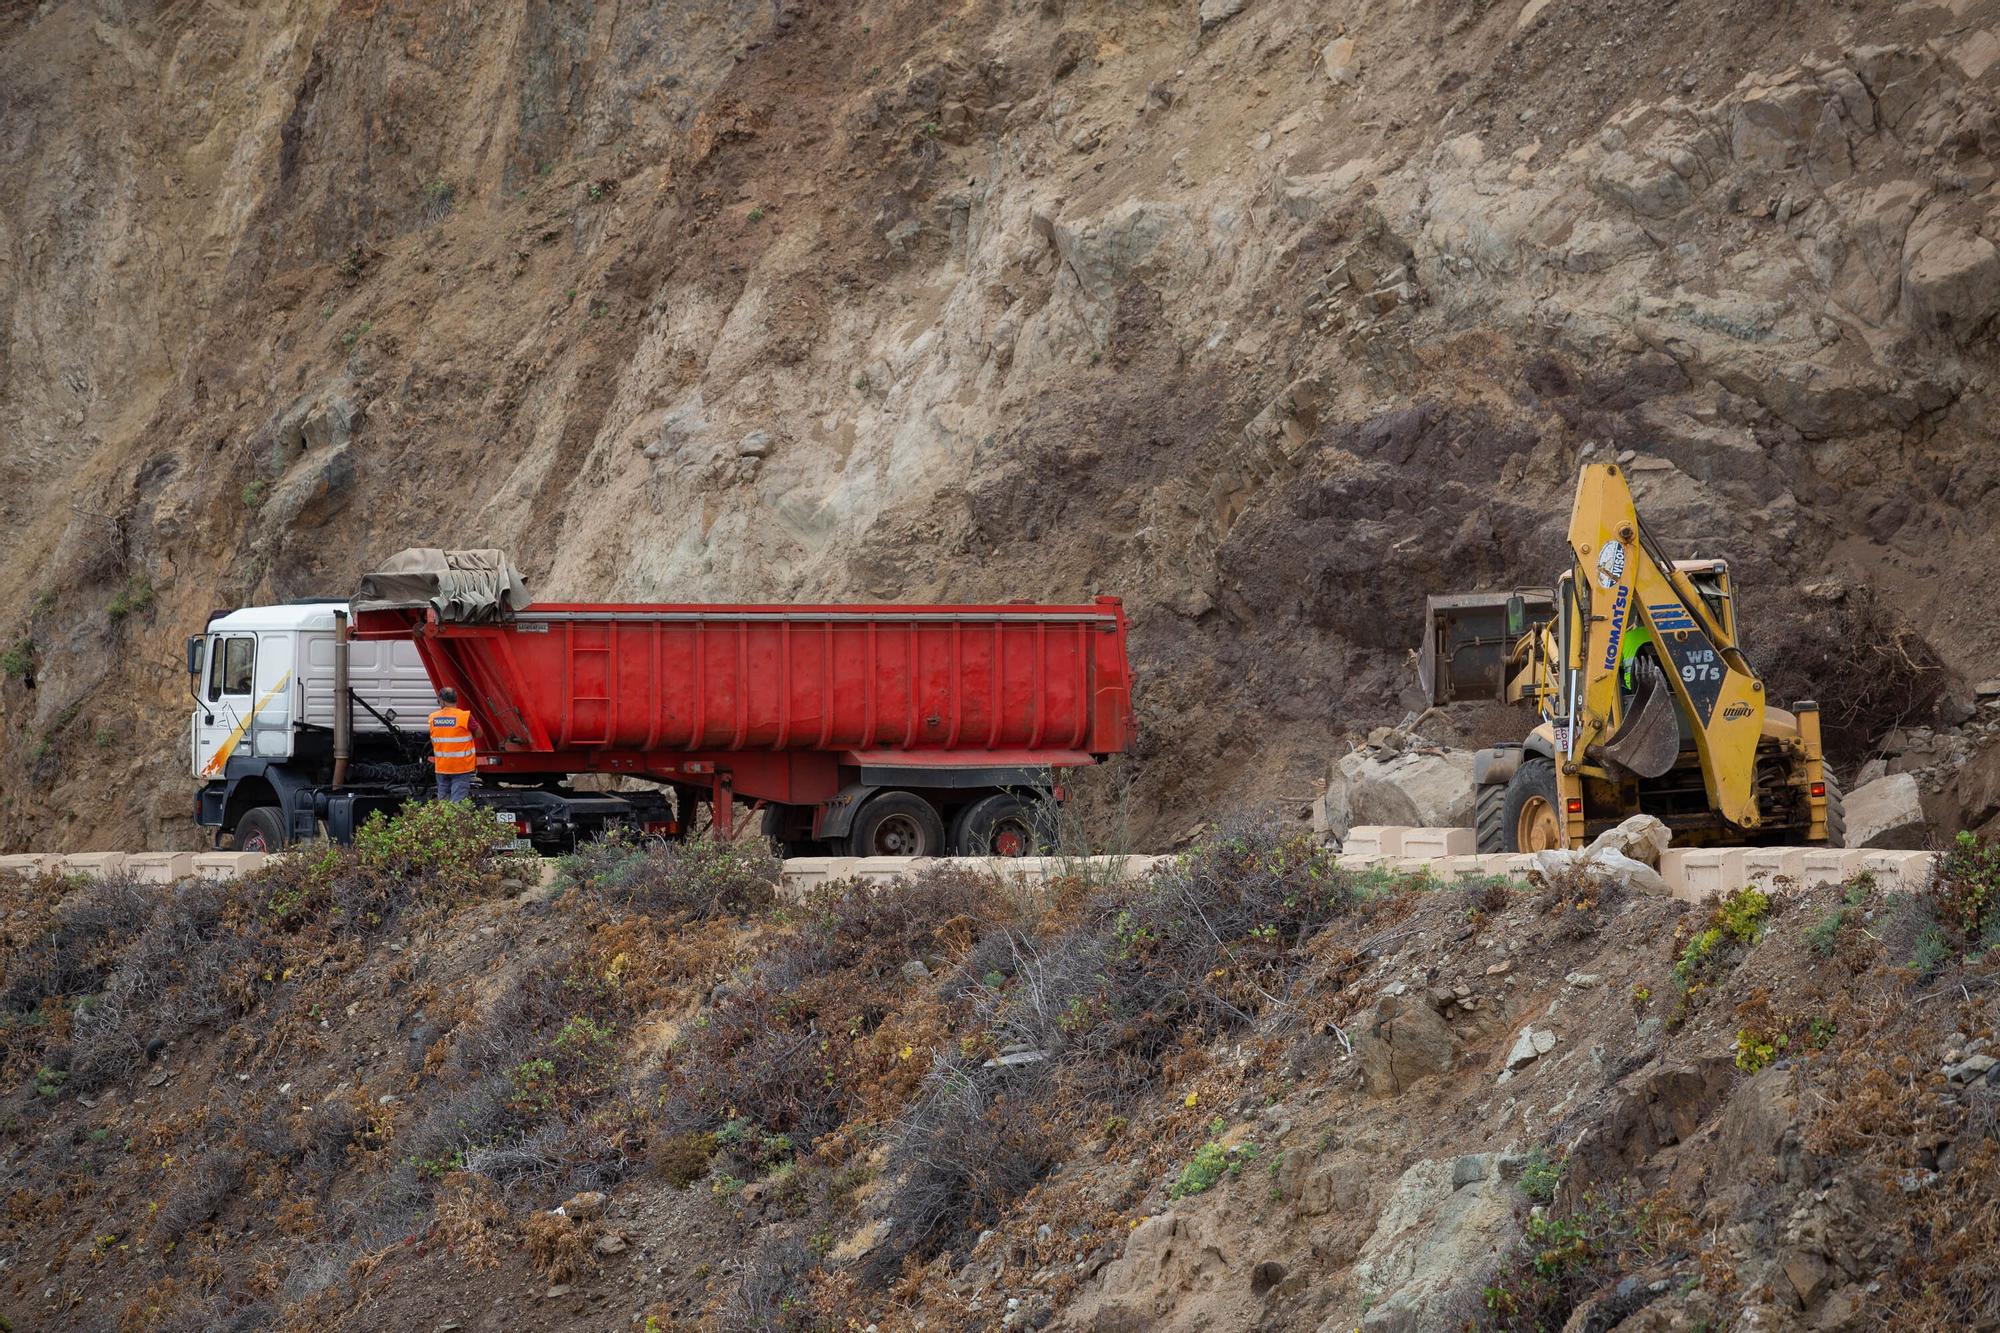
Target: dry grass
x,y
559,1247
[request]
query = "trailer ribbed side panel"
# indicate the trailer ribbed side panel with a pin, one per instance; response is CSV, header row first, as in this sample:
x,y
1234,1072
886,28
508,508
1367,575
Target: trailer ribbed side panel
x,y
650,679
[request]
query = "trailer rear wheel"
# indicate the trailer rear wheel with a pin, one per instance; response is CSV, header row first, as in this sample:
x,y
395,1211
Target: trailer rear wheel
x,y
1002,824
896,823
260,830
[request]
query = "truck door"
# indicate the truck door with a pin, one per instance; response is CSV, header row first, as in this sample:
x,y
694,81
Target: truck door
x,y
228,700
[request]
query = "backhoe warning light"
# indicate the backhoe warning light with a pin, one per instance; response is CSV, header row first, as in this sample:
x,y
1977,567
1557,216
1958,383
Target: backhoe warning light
x,y
1818,790
1575,805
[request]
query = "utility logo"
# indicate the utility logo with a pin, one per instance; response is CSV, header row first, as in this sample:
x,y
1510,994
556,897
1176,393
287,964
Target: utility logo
x,y
1617,626
1610,564
1737,711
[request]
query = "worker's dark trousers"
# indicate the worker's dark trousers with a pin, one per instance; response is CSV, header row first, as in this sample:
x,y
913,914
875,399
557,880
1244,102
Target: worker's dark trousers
x,y
454,786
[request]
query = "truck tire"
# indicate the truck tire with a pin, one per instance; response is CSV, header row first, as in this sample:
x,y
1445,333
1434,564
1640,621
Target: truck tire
x,y
896,823
260,830
774,830
1489,817
1530,812
1002,824
1836,812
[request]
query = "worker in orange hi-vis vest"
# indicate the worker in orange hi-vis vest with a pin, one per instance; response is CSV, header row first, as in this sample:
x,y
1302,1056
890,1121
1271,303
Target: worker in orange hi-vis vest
x,y
452,752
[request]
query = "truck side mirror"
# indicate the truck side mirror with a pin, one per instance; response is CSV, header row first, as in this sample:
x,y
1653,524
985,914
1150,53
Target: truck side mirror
x,y
194,654
1517,616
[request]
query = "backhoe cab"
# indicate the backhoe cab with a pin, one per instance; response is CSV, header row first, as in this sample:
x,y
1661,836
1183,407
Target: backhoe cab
x,y
1647,704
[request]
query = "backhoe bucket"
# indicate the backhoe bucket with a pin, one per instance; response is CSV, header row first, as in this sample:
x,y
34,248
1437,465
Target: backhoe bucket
x,y
1468,638
1649,739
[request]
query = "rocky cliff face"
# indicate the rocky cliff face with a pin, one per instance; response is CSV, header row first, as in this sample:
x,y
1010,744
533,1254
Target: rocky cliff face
x,y
1268,316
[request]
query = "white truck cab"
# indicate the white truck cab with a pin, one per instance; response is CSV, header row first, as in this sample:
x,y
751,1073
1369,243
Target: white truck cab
x,y
264,718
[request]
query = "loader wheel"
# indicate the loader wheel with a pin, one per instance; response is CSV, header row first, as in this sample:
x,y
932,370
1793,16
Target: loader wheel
x,y
1836,813
1528,816
259,830
1489,817
1002,824
896,823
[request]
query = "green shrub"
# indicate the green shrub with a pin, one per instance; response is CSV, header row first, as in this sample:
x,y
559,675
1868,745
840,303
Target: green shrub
x,y
1564,1259
1540,1175
253,493
1964,892
1733,925
1755,1048
136,595
453,842
19,659
702,877
1210,1163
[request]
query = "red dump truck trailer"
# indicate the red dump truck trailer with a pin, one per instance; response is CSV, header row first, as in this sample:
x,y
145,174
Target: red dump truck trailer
x,y
862,730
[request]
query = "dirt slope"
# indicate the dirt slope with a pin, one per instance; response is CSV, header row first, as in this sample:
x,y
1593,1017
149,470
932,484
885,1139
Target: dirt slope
x,y
1249,1092
1270,321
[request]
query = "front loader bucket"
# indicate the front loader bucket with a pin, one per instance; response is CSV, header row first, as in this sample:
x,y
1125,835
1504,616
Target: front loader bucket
x,y
1649,739
1469,637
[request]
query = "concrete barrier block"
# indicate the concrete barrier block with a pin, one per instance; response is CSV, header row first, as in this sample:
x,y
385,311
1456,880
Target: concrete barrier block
x,y
1439,842
31,864
1673,870
1828,865
1414,865
226,865
1357,860
1898,871
1458,867
880,869
1764,866
1375,840
1514,865
98,864
1708,872
160,867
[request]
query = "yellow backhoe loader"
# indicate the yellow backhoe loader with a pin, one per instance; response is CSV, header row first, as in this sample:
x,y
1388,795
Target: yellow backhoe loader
x,y
1647,704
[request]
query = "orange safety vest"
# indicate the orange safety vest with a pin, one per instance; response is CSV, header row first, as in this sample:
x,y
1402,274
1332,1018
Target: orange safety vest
x,y
451,741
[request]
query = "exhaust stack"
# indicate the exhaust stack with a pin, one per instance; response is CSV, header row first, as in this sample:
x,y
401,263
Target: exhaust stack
x,y
343,703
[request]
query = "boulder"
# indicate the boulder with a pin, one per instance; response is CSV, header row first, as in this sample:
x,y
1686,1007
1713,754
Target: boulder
x,y
1951,281
1407,1041
1214,12
1531,1045
1641,837
1603,866
1343,64
1888,812
1409,788
1447,1222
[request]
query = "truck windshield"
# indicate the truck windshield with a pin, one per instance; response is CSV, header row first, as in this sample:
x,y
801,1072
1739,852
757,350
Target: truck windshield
x,y
233,667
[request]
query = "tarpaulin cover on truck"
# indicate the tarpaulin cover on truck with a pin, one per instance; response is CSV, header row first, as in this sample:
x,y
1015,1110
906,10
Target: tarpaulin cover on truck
x,y
465,587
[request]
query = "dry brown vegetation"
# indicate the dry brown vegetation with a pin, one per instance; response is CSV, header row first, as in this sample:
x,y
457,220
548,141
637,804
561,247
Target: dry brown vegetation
x,y
350,1089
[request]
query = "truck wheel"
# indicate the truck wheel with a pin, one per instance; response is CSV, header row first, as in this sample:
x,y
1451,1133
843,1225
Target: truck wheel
x,y
774,830
1002,824
1529,818
1489,817
260,830
1836,812
896,823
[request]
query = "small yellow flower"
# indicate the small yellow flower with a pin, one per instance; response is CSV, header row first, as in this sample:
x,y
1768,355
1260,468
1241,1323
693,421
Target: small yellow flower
x,y
906,1052
1192,1098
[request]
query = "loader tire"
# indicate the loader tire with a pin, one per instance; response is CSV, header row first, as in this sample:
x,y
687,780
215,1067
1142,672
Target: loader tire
x,y
1489,817
1531,807
1836,813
